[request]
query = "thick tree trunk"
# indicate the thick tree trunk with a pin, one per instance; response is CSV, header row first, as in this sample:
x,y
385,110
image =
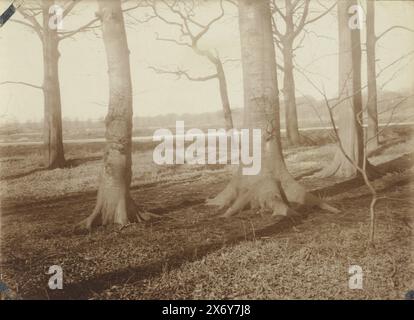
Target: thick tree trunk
x,y
273,188
372,130
114,203
52,134
350,109
224,95
291,117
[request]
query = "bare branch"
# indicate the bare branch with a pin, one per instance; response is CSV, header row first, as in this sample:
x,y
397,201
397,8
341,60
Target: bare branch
x,y
94,23
34,24
70,7
86,27
23,23
322,14
302,21
22,83
186,25
278,35
179,73
173,41
392,28
275,9
207,27
394,62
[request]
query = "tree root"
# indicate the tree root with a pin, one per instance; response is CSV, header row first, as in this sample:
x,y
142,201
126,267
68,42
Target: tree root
x,y
342,168
339,167
265,193
122,212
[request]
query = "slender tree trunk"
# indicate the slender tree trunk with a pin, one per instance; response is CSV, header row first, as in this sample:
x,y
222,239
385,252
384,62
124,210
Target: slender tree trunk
x,y
224,95
52,134
273,188
372,131
291,117
350,109
114,203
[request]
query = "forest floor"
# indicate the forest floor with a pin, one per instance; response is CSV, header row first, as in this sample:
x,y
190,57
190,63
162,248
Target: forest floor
x,y
191,253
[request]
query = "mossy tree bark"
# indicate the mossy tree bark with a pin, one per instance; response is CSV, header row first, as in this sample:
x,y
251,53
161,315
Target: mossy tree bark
x,y
274,188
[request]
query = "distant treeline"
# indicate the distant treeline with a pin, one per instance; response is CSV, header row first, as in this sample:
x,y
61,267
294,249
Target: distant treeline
x,y
311,113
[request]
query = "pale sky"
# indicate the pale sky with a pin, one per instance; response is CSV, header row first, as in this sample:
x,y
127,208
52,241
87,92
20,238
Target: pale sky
x,y
83,70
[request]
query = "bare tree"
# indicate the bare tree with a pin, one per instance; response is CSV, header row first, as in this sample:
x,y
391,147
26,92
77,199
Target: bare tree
x,y
273,188
37,18
362,170
182,16
114,202
296,17
52,134
371,42
349,110
372,111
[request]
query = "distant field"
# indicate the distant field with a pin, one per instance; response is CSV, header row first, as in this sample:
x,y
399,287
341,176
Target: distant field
x,y
311,114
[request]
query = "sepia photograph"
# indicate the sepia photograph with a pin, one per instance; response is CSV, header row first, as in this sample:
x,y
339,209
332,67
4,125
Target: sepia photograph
x,y
229,151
